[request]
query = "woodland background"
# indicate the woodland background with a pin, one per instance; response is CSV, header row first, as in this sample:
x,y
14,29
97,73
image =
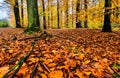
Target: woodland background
x,y
66,13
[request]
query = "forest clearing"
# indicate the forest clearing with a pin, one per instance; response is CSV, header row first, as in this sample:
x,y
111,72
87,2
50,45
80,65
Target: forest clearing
x,y
63,53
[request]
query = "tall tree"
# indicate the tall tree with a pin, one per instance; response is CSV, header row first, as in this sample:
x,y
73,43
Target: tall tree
x,y
66,13
107,14
48,14
86,17
117,10
16,14
51,14
72,13
22,16
78,22
33,17
58,18
44,18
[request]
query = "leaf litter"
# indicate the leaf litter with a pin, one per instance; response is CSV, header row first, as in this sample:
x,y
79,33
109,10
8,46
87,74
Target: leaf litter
x,y
68,53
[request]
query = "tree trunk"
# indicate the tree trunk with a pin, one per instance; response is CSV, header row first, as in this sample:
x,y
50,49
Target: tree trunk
x,y
72,13
117,10
16,14
44,18
33,17
107,24
85,22
66,14
22,17
58,18
78,22
48,14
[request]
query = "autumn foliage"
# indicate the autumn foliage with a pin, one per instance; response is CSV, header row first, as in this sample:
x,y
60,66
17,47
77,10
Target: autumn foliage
x,y
67,53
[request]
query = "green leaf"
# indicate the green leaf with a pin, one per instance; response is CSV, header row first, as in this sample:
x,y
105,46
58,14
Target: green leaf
x,y
116,65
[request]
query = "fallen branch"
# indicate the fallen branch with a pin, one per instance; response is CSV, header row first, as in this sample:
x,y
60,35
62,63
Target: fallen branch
x,y
20,63
44,66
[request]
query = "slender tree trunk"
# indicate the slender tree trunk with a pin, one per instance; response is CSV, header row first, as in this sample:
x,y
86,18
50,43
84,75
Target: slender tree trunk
x,y
49,14
72,13
86,17
44,18
66,14
58,18
52,21
16,14
22,17
33,17
78,22
61,18
107,24
117,10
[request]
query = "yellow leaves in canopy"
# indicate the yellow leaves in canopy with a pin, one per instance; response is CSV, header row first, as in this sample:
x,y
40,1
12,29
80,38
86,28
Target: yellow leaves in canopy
x,y
56,74
3,70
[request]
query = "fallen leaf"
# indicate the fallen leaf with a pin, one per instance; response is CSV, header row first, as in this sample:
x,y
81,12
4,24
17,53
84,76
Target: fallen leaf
x,y
86,62
43,76
56,74
3,70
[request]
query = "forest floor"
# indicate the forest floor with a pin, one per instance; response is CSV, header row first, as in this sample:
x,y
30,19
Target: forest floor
x,y
67,53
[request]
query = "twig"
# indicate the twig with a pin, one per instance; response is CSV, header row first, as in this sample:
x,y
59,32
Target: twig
x,y
44,66
34,70
20,63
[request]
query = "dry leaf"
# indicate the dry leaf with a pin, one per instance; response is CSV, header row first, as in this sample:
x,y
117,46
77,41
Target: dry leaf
x,y
86,62
80,74
3,70
43,76
56,74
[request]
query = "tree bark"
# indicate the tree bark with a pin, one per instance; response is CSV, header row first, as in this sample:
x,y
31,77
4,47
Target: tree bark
x,y
107,24
44,18
22,17
78,22
48,14
58,18
85,22
72,13
33,17
66,14
16,14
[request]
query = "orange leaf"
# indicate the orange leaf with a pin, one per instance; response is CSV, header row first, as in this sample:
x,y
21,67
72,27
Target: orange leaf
x,y
51,65
81,56
80,74
43,76
56,74
3,70
87,61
